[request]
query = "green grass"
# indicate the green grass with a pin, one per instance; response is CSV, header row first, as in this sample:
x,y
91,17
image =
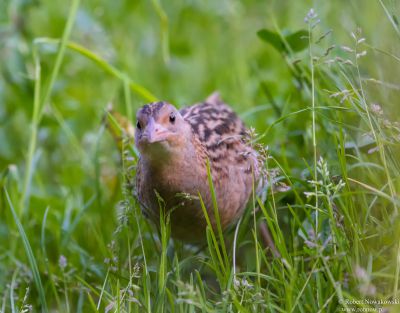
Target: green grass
x,y
321,93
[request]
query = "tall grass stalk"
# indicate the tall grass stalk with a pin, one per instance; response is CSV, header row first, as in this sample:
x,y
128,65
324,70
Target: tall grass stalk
x,y
41,99
12,288
45,257
314,141
32,142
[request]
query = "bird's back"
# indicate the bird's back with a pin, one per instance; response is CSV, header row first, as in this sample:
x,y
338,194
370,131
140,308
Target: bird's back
x,y
221,131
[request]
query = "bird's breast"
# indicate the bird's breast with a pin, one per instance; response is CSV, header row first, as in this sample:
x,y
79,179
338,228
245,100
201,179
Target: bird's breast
x,y
179,188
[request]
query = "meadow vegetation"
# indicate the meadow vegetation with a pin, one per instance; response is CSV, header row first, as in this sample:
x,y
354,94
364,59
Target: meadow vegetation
x,y
316,80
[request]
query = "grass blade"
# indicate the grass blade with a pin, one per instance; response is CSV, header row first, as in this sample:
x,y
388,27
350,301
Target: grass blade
x,y
216,214
29,254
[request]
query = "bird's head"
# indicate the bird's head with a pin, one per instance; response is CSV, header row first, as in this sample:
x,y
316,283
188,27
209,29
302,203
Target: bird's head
x,y
160,130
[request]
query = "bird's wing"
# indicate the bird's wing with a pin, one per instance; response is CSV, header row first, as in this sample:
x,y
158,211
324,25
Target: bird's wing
x,y
214,122
222,132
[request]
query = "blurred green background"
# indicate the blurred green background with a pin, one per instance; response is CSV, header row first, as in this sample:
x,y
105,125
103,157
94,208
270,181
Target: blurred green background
x,y
182,51
202,47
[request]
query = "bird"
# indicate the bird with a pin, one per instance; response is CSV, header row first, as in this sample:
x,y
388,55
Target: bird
x,y
176,150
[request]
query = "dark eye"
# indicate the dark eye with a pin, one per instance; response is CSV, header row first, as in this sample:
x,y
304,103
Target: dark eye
x,y
138,125
172,117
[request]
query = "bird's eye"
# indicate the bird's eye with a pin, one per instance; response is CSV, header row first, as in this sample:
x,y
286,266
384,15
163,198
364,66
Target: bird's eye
x,y
138,125
172,117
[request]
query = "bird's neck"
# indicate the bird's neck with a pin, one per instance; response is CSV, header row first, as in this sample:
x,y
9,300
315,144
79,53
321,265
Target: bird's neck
x,y
172,160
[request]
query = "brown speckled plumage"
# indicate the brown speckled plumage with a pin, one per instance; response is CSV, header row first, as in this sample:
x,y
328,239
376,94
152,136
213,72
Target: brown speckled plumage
x,y
174,147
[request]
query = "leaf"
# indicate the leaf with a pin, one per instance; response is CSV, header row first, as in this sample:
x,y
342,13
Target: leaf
x,y
272,38
296,41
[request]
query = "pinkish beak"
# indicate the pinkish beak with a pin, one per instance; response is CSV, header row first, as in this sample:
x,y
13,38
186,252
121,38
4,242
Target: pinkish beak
x,y
155,132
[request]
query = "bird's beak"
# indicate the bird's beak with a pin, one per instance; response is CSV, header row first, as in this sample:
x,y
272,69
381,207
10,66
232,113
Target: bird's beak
x,y
155,132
